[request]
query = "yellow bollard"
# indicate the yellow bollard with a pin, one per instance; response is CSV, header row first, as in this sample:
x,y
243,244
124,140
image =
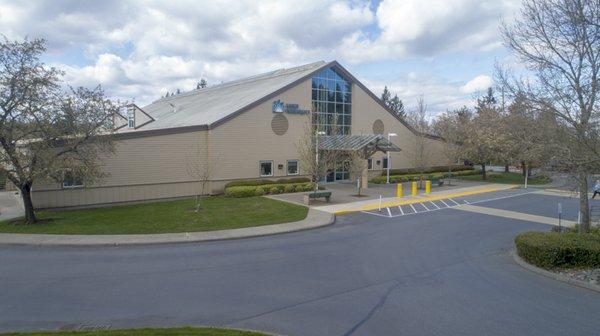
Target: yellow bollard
x,y
399,190
414,188
427,187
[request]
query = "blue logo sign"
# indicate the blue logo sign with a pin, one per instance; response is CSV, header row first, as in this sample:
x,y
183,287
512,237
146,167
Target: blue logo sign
x,y
280,107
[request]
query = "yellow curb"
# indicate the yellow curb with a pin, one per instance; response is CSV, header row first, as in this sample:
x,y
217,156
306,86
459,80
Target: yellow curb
x,y
424,199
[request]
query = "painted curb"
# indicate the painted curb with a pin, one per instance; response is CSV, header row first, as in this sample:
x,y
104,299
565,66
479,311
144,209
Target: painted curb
x,y
374,206
553,275
314,219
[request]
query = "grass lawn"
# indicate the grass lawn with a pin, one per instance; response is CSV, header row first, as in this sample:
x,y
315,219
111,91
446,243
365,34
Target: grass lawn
x,y
147,332
510,178
216,213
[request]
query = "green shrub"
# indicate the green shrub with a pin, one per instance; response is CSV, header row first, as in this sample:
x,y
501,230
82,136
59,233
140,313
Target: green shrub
x,y
241,191
246,191
415,171
415,177
559,250
261,182
259,191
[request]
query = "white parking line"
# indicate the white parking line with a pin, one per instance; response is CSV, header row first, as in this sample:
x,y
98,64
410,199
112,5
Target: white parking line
x,y
456,204
414,210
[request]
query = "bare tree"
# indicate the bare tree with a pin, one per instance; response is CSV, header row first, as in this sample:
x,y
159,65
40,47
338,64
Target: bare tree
x,y
200,170
417,118
559,43
308,153
44,132
450,126
357,164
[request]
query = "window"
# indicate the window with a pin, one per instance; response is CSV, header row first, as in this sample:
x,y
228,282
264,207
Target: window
x,y
71,181
331,102
385,163
369,163
131,117
292,167
266,168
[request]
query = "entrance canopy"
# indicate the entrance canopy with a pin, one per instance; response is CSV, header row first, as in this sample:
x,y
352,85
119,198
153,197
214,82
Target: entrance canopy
x,y
369,143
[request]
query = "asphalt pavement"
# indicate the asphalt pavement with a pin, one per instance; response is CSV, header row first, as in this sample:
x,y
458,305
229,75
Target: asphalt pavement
x,y
445,272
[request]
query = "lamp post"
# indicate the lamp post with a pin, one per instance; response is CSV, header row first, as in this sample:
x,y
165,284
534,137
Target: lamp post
x,y
317,133
388,158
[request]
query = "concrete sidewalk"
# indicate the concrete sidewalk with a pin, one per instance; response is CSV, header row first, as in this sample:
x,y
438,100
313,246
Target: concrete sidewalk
x,y
314,219
371,204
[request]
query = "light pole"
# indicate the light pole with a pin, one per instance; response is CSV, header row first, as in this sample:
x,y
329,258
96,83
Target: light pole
x,y
387,180
317,133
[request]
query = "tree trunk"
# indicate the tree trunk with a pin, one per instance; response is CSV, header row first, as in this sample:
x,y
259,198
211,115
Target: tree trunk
x,y
483,173
584,226
524,168
506,168
27,203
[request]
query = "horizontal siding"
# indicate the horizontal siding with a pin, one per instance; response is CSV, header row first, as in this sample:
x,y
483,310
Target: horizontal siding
x,y
119,194
238,145
365,111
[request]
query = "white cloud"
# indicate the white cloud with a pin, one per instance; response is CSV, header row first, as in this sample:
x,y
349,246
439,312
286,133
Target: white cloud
x,y
477,84
143,49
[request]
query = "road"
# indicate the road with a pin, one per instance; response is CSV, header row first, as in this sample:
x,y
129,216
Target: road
x,y
444,272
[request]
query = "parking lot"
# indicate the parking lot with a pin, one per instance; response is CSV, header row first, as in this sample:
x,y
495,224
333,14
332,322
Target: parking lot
x,y
441,271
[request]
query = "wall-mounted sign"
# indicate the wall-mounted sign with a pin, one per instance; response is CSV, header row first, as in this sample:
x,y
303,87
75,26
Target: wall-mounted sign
x,y
280,107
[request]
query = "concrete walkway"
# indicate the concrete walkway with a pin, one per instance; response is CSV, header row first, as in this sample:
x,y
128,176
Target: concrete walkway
x,y
10,205
371,204
515,215
314,219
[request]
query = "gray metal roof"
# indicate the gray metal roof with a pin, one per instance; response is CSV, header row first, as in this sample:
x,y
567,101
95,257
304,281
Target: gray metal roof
x,y
209,105
375,142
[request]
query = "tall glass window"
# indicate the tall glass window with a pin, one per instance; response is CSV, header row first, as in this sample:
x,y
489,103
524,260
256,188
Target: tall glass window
x,y
331,102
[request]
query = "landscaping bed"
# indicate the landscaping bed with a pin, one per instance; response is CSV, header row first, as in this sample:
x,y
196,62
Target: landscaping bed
x,y
560,250
416,177
216,213
248,188
147,332
508,178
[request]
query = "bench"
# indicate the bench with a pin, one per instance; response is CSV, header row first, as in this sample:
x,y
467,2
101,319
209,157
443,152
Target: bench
x,y
317,194
438,182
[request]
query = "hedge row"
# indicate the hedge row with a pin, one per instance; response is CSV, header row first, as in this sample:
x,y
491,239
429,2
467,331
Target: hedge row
x,y
247,191
559,250
416,177
440,169
262,182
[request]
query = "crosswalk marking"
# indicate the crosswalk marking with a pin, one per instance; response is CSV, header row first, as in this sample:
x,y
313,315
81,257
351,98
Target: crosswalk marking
x,y
451,203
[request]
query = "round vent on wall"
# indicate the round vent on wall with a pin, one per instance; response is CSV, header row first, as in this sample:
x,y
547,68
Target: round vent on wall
x,y
279,124
378,127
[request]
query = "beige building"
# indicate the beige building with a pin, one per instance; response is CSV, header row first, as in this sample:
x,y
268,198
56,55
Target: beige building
x,y
244,129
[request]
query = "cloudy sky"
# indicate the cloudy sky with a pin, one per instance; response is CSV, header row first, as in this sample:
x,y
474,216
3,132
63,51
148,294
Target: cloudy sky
x,y
442,49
